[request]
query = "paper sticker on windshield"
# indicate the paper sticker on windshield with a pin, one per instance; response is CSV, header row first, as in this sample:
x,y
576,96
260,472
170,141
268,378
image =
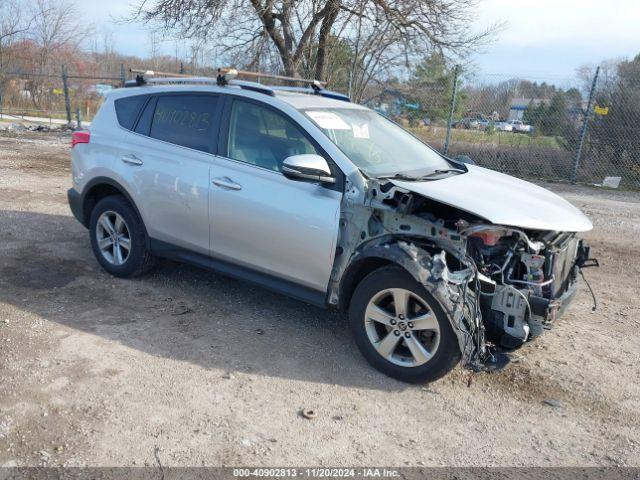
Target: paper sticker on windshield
x,y
328,120
360,131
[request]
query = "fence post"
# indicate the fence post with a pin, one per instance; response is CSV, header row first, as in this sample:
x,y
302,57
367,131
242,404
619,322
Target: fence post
x,y
123,79
1,104
79,117
451,109
65,89
585,125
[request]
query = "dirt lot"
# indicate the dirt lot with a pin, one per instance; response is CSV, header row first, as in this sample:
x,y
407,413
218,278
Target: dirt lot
x,y
203,370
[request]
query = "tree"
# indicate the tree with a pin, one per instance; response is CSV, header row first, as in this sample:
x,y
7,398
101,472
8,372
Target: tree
x,y
300,32
431,86
13,26
555,119
55,28
534,114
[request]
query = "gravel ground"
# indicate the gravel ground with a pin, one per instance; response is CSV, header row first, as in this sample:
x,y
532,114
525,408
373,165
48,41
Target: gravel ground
x,y
191,368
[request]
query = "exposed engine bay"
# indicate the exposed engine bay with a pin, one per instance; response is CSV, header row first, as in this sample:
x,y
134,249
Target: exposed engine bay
x,y
500,286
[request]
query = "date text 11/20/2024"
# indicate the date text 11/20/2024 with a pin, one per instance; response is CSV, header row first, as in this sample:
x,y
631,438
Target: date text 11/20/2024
x,y
317,472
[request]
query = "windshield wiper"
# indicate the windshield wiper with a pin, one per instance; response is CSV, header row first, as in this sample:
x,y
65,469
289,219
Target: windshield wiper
x,y
400,176
410,178
448,170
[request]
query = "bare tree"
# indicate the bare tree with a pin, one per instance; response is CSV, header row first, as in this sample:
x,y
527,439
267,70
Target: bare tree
x,y
13,25
300,32
55,27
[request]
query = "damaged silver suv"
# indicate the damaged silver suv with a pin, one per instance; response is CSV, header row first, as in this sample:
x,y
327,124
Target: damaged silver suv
x,y
436,261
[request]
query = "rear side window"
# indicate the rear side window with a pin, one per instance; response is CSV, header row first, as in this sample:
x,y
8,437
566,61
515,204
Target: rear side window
x,y
186,120
127,109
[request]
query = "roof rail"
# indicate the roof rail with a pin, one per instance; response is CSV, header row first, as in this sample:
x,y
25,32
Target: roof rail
x,y
226,76
182,80
253,86
314,91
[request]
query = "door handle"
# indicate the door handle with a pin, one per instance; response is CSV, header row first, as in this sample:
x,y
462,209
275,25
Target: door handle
x,y
226,182
131,160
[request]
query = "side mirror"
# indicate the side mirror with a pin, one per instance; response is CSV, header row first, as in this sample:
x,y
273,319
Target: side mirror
x,y
307,167
464,159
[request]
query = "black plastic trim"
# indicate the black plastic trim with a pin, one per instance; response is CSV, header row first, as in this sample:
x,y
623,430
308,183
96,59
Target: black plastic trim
x,y
103,181
75,204
151,103
278,285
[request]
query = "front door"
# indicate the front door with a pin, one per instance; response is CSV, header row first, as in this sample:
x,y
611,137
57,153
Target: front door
x,y
261,219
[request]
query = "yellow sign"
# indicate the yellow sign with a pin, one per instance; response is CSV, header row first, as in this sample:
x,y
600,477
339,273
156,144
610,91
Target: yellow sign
x,y
57,91
601,110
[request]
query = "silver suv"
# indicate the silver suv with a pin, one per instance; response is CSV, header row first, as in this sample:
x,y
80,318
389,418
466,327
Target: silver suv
x,y
436,260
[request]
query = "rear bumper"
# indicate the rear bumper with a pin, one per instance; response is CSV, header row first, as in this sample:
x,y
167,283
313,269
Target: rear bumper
x,y
75,204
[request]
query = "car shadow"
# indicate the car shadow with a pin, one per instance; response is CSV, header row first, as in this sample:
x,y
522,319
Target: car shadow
x,y
176,311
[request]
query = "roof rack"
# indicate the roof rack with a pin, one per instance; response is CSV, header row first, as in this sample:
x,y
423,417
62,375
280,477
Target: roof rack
x,y
232,72
312,91
226,76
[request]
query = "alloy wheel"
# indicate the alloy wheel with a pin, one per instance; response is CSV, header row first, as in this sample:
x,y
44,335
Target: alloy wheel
x,y
114,239
401,327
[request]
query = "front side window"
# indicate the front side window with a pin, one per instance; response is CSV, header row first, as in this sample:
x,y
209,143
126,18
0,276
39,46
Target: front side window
x,y
377,146
185,120
262,137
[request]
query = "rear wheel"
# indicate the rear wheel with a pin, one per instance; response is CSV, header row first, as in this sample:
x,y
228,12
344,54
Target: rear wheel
x,y
118,238
400,328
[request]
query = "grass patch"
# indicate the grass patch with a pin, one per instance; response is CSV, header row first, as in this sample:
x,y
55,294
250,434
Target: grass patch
x,y
437,135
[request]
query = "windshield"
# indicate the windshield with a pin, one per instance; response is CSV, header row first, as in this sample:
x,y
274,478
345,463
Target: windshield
x,y
377,146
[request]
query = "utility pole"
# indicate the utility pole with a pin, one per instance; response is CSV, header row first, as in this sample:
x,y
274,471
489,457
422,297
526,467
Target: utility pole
x,y
585,126
65,89
452,109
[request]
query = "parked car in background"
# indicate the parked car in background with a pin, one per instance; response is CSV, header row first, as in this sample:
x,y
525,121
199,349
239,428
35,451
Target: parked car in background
x,y
483,123
521,127
503,127
468,123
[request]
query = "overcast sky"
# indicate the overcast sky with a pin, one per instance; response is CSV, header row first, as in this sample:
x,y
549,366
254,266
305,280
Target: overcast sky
x,y
543,39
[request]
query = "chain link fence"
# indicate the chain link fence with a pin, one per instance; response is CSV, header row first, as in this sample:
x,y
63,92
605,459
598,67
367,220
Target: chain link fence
x,y
57,97
582,129
574,130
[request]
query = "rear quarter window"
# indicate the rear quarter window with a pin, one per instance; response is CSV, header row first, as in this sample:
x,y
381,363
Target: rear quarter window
x,y
127,109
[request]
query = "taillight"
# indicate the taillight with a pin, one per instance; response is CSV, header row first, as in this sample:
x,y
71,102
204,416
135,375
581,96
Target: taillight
x,y
80,137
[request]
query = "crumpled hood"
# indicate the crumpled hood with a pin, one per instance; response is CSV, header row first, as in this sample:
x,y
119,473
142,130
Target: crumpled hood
x,y
503,200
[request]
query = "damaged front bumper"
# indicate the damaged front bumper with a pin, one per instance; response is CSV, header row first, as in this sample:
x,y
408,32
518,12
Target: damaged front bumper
x,y
499,286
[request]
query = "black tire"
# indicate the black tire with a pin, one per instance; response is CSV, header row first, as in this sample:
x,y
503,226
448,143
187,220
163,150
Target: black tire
x,y
447,354
138,260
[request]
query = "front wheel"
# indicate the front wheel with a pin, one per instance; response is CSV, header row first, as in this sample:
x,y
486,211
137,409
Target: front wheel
x,y
400,328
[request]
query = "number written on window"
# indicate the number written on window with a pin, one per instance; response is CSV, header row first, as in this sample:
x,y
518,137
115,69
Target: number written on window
x,y
186,120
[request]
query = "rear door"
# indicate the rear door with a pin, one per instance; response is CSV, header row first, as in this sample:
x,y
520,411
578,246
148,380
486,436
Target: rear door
x,y
261,219
170,167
